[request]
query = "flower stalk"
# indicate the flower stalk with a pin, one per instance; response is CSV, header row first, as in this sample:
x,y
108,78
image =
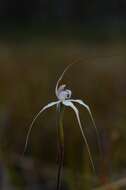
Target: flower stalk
x,y
60,132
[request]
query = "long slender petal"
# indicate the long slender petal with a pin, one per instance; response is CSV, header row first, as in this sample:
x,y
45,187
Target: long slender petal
x,y
86,106
70,104
35,117
60,78
91,116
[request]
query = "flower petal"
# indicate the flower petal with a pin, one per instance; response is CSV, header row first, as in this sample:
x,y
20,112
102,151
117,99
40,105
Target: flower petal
x,y
70,104
60,88
86,106
89,111
34,119
57,84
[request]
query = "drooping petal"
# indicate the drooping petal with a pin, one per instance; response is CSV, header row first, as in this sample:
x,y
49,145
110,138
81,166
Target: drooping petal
x,y
89,111
70,104
35,117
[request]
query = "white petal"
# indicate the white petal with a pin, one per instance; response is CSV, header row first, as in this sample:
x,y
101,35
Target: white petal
x,y
89,111
70,104
87,107
60,78
61,88
35,117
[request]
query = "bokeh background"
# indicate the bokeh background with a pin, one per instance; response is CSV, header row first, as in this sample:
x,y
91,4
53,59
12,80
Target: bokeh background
x,y
38,39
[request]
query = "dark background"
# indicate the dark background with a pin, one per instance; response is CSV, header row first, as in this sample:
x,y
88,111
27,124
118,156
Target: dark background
x,y
38,39
54,10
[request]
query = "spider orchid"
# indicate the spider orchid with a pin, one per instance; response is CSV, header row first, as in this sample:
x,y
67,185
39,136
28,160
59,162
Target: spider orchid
x,y
64,98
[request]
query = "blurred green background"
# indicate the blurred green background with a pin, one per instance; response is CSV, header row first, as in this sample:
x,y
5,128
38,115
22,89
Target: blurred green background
x,y
38,39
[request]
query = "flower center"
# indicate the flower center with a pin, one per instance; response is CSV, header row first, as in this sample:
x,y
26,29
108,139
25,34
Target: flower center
x,y
63,94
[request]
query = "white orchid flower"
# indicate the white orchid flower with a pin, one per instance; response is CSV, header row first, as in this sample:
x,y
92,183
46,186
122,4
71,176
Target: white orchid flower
x,y
64,97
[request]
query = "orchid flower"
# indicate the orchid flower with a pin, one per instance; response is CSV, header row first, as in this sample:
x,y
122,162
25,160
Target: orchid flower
x,y
64,98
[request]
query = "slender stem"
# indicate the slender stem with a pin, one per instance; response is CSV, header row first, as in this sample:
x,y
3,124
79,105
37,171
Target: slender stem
x,y
60,145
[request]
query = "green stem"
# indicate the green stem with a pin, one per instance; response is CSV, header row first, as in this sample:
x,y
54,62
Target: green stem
x,y
60,145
